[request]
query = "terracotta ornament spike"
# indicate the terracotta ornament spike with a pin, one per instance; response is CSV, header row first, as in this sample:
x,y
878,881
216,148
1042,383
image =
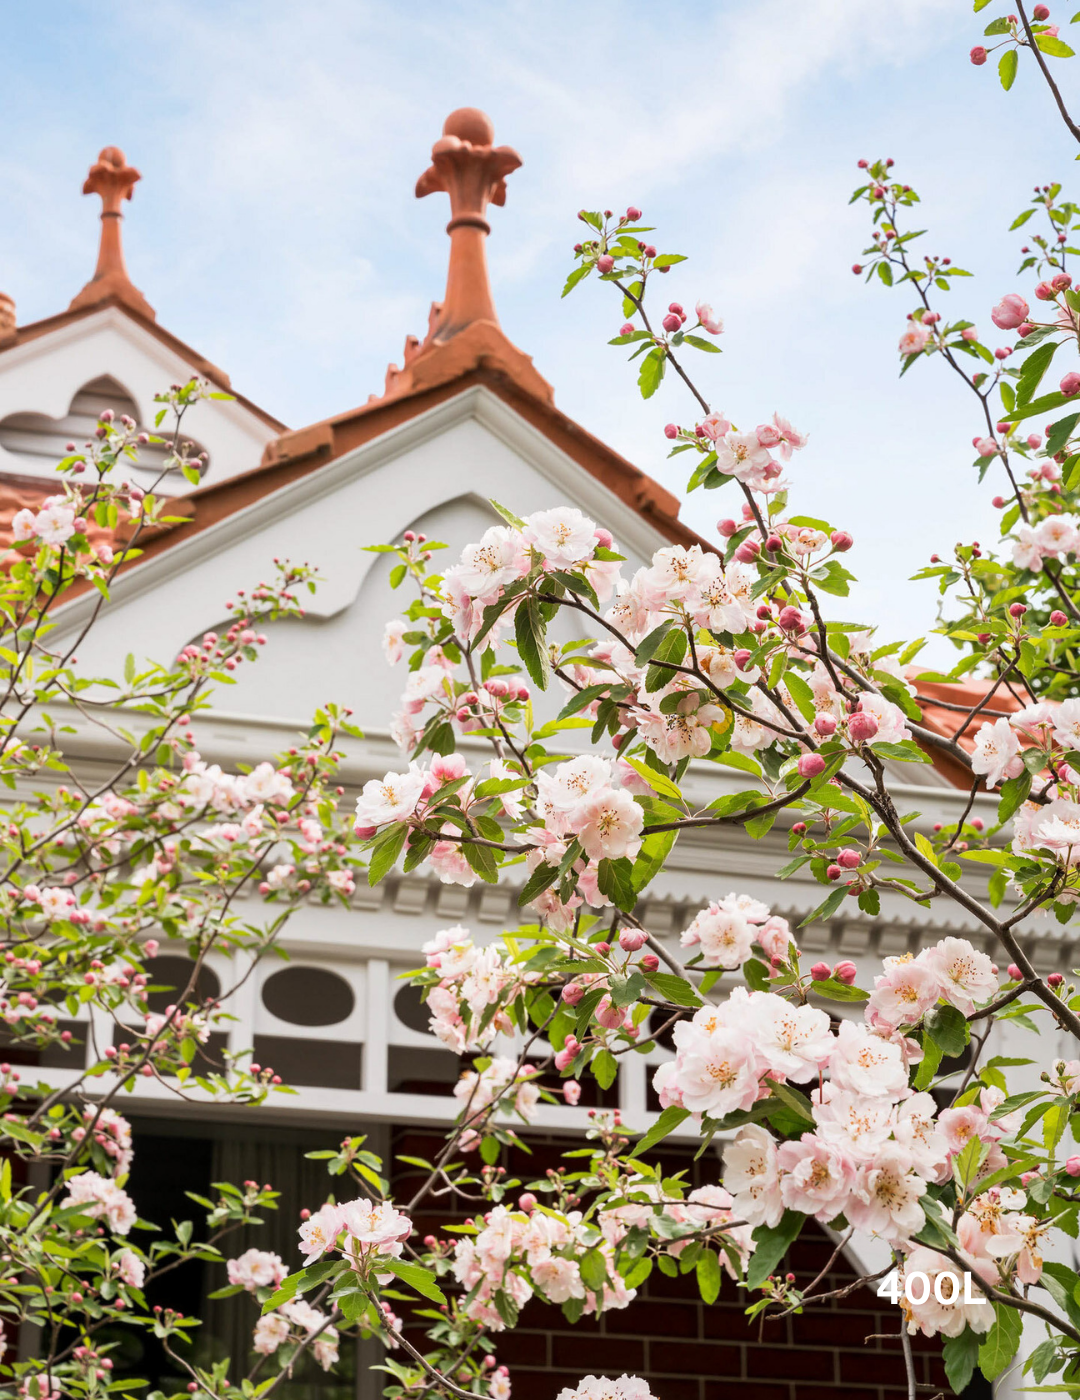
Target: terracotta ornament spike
x,y
7,318
472,171
113,179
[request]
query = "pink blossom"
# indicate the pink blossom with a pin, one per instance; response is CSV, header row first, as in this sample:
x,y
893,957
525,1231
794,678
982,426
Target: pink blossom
x,y
914,340
996,752
904,994
708,318
608,824
817,1177
1011,311
392,644
752,1175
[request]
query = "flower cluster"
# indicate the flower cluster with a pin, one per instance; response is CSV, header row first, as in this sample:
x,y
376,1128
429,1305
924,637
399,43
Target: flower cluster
x,y
515,1254
366,1232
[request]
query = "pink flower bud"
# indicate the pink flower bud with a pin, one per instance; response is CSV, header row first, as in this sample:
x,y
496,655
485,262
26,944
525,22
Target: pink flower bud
x,y
572,993
633,213
789,618
773,543
1014,972
609,1015
1072,1166
602,948
727,528
671,322
798,828
632,940
1070,384
566,1056
649,962
849,859
841,541
1061,281
856,268
998,502
969,333
862,726
834,872
1017,609
978,55
845,972
671,431
1011,310
627,328
605,262
364,833
825,725
1054,979
526,1202
1058,618
810,765
741,658
747,552
821,972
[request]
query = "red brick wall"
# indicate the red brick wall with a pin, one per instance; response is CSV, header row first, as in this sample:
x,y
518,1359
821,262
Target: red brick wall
x,y
690,1351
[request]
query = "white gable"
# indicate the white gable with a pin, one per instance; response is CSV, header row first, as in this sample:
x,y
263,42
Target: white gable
x,y
50,386
435,474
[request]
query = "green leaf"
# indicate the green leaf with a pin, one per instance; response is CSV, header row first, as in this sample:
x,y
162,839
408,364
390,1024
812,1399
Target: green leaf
x,y
594,1270
828,906
543,876
674,989
1039,406
700,343
669,259
1007,65
1033,369
482,860
416,1277
838,991
708,1275
575,277
647,646
616,879
659,782
508,515
530,635
1014,793
385,851
928,1064
651,372
960,1354
1057,48
772,1243
668,1121
1002,1341
947,1027
1059,434
798,1103
605,1067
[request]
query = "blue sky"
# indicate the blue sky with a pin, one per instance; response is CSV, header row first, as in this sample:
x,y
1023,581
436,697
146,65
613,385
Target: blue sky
x,y
276,229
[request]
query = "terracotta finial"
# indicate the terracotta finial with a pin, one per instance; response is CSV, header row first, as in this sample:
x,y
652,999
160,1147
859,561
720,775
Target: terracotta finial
x,y
113,179
7,318
472,171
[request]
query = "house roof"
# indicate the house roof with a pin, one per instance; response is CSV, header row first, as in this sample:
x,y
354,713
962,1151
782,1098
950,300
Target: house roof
x,y
114,180
946,706
464,346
